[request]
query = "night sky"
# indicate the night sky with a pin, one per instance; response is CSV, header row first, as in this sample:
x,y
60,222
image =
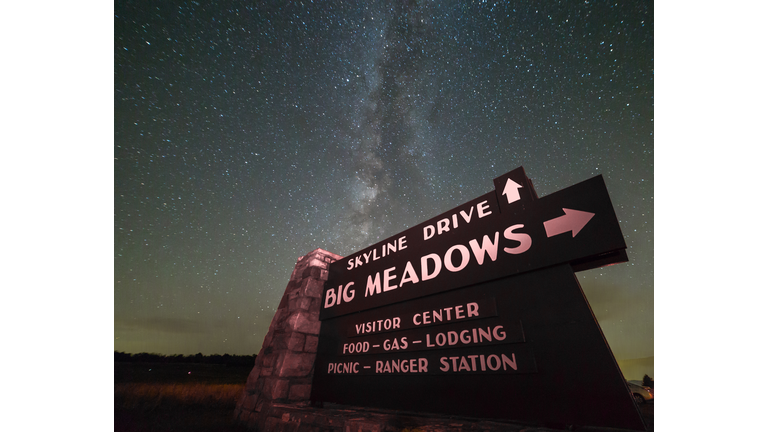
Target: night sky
x,y
247,134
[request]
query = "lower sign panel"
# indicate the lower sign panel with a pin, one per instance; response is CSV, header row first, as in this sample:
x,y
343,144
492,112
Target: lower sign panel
x,y
499,359
547,362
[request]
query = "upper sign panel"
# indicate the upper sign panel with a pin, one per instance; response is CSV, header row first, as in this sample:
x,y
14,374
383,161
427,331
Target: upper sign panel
x,y
504,232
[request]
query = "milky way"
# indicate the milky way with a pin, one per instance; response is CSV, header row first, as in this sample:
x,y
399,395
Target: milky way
x,y
248,135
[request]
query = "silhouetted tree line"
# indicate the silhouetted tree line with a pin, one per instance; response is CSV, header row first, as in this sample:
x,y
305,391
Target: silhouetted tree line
x,y
225,359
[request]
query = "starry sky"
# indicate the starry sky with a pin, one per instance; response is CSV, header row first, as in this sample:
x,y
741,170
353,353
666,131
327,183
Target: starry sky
x,y
247,134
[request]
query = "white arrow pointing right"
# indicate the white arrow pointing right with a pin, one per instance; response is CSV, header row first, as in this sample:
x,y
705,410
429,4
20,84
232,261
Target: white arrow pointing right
x,y
572,220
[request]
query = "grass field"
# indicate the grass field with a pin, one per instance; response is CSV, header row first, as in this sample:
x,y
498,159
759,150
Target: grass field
x,y
177,397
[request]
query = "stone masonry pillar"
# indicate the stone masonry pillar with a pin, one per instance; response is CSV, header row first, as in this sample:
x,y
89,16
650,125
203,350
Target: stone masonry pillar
x,y
285,365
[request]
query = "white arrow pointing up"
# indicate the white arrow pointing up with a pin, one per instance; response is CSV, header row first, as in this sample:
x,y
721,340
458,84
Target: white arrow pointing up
x,y
572,220
511,190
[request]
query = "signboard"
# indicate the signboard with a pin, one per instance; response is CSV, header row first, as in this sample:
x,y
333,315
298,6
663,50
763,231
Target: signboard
x,y
484,239
477,312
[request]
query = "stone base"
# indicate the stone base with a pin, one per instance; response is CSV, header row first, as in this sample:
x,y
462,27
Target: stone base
x,y
284,367
340,418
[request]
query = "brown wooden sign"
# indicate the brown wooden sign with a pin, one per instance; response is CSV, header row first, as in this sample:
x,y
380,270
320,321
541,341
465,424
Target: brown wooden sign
x,y
477,312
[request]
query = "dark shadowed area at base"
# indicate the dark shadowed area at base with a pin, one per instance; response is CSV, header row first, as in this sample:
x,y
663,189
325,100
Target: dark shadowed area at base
x,y
176,418
163,397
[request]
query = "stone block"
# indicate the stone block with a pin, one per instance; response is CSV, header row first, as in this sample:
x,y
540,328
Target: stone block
x,y
315,305
286,296
250,402
306,273
317,262
292,294
244,414
312,272
296,342
268,360
314,316
358,425
265,351
280,315
265,372
277,388
272,424
298,271
299,392
280,342
304,322
304,417
241,399
310,346
300,303
295,364
270,334
253,419
306,302
312,287
250,383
